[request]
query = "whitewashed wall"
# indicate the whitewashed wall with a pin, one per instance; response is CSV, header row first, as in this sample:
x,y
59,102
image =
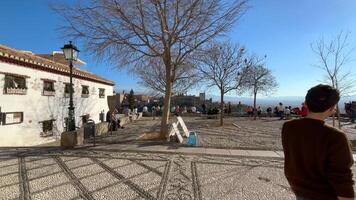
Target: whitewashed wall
x,y
37,107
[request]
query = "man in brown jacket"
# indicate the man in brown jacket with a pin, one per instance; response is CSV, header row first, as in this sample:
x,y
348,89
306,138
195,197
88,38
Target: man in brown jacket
x,y
318,157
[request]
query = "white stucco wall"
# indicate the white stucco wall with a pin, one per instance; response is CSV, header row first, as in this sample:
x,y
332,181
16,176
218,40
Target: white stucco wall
x,y
37,107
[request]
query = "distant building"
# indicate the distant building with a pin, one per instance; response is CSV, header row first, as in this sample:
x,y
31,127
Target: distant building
x,y
120,100
190,100
34,96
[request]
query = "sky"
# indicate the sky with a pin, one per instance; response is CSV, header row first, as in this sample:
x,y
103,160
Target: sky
x,y
281,29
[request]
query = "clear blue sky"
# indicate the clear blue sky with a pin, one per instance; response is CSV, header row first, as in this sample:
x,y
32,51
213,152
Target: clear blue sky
x,y
282,29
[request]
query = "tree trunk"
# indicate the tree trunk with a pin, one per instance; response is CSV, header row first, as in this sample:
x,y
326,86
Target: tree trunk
x,y
166,111
254,106
338,115
167,95
222,108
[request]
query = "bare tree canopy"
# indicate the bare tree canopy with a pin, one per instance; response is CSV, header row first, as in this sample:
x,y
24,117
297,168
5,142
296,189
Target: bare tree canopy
x,y
334,58
129,32
258,78
220,67
152,76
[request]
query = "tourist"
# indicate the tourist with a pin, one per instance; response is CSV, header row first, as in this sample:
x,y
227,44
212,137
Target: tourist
x,y
259,112
158,111
287,112
318,158
269,112
126,111
177,111
304,111
254,112
144,109
204,108
249,111
239,109
153,110
280,110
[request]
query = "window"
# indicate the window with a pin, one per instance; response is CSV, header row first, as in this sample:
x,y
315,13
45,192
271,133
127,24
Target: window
x,y
15,84
66,89
85,91
12,118
47,128
101,93
48,88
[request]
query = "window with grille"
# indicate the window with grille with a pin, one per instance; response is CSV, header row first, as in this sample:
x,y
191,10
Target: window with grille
x,y
48,88
15,84
101,93
85,91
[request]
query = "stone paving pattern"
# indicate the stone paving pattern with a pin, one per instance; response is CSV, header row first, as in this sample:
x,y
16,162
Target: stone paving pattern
x,y
104,174
93,174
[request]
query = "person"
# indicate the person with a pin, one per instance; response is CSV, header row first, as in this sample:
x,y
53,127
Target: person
x,y
158,110
153,109
144,109
280,110
204,108
318,157
287,112
194,109
229,108
126,111
259,112
109,119
304,111
239,109
177,111
269,112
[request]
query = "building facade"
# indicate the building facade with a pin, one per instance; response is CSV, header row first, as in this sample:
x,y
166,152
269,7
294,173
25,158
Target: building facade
x,y
190,100
34,97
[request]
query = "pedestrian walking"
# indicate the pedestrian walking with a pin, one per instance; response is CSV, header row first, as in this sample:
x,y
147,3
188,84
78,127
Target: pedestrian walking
x,y
318,157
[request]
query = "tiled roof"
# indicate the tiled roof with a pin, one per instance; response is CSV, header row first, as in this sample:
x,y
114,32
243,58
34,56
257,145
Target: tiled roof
x,y
27,59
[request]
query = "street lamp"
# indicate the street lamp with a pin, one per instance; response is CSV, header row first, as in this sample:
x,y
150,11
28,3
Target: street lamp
x,y
71,54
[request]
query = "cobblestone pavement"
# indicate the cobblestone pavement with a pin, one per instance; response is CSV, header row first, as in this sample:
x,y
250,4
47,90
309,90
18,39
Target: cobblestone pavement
x,y
89,174
261,134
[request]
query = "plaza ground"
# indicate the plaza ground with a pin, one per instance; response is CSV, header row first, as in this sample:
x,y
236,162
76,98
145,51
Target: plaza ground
x,y
233,162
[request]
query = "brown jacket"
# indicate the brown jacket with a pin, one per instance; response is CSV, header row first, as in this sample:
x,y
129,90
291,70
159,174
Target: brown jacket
x,y
318,159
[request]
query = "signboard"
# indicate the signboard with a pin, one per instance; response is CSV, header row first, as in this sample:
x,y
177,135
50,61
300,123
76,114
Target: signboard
x,y
175,131
12,118
184,127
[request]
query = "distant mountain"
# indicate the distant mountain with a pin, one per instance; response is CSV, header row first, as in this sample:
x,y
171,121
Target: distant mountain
x,y
294,101
263,101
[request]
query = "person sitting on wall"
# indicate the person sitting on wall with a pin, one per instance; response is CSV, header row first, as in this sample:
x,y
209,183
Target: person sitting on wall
x,y
117,119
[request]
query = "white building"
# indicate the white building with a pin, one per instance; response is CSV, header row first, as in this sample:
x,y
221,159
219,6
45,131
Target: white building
x,y
34,97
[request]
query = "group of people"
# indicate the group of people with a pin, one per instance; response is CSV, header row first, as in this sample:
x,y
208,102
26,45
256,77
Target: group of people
x,y
283,112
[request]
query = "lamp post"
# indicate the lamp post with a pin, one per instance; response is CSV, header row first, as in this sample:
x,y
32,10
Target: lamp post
x,y
71,54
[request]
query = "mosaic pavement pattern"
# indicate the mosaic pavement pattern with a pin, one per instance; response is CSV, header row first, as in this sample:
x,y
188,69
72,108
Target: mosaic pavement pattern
x,y
124,175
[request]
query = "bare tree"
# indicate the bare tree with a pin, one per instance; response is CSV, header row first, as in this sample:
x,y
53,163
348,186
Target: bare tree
x,y
220,67
334,56
152,76
132,31
258,78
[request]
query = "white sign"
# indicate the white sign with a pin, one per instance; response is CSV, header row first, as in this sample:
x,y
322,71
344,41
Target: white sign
x,y
184,127
175,131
